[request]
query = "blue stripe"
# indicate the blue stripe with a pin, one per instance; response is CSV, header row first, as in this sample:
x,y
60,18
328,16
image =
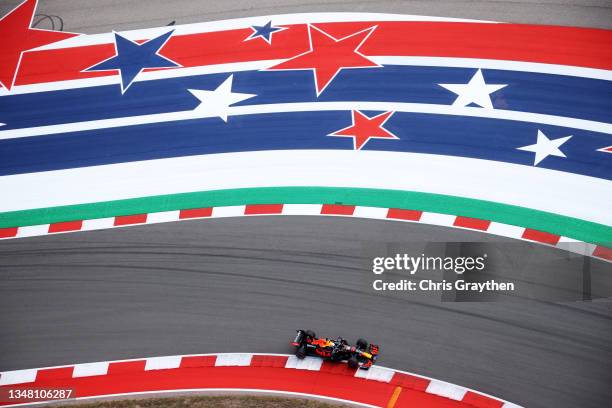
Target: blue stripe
x,y
437,134
540,93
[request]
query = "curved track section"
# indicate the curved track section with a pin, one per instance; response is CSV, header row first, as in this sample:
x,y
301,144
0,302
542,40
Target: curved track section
x,y
251,373
380,213
245,284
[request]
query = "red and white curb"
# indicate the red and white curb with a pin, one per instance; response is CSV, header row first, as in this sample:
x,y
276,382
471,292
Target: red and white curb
x,y
233,372
380,213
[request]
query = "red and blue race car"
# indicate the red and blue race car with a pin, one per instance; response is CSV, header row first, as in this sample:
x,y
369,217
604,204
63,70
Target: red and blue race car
x,y
362,355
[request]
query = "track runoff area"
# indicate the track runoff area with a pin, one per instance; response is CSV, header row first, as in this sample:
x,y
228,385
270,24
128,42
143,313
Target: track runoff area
x,y
194,86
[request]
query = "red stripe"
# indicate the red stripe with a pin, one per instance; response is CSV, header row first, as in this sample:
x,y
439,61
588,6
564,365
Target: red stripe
x,y
65,226
198,361
409,215
584,47
51,374
410,381
130,219
195,213
481,401
256,209
541,236
603,252
472,223
337,209
8,232
269,361
416,399
126,367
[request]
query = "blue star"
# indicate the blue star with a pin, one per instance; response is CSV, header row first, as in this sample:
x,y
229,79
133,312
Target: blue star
x,y
264,32
131,58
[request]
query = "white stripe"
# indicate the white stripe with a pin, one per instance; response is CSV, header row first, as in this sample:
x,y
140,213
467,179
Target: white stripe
x,y
445,220
370,212
33,231
162,363
307,363
233,359
567,194
505,230
376,374
521,66
302,209
241,23
90,369
431,109
447,390
99,223
228,211
164,216
18,377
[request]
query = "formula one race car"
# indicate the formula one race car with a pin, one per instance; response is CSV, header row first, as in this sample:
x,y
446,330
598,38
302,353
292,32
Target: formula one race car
x,y
362,355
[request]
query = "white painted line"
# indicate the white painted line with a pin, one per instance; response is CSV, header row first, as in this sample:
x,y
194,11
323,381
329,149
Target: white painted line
x,y
447,390
426,173
162,363
307,363
164,216
228,211
90,369
376,374
18,376
302,209
505,230
510,405
445,220
370,212
479,63
33,231
234,359
98,223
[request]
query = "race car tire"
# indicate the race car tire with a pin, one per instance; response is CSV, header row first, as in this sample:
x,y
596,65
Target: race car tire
x,y
362,344
353,363
300,352
310,333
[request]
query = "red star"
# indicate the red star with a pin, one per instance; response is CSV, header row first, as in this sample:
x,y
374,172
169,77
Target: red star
x,y
329,55
364,128
17,36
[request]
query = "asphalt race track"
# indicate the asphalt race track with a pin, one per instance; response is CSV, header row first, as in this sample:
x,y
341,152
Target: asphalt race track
x,y
246,284
235,285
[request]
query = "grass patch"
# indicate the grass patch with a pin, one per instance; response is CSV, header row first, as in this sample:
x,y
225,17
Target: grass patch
x,y
208,402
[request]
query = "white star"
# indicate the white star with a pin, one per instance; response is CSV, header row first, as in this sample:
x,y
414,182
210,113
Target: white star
x,y
545,147
217,102
476,91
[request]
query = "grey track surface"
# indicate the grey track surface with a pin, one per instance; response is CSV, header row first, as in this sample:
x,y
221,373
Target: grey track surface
x,y
245,284
101,16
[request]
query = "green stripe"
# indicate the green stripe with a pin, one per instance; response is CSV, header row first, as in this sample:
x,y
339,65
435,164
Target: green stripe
x,y
506,214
